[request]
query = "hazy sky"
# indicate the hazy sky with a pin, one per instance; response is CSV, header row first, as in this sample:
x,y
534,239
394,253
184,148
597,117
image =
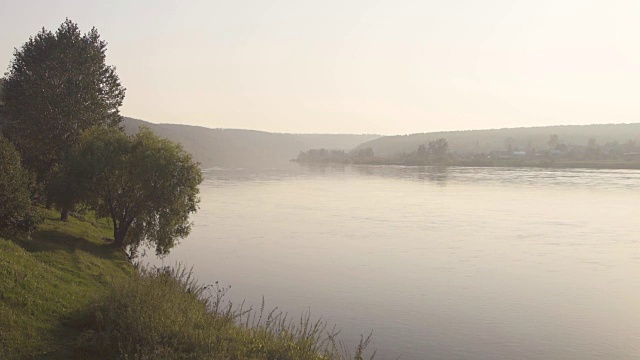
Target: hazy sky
x,y
362,66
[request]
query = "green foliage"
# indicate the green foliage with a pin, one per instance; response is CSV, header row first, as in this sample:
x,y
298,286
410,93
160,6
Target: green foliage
x,y
148,186
16,214
63,189
57,86
1,96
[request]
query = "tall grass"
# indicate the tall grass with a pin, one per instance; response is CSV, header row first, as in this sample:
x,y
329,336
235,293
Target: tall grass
x,y
164,313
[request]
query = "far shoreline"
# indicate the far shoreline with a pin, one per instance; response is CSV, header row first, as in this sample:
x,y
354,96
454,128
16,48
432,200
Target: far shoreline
x,y
494,163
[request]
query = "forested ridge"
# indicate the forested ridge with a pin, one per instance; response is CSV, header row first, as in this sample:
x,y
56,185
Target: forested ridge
x,y
530,139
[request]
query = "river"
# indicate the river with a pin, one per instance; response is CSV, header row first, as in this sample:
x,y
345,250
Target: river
x,y
440,263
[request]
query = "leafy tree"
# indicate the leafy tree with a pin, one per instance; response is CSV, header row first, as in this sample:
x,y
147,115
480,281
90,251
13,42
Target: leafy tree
x,y
57,86
15,198
1,90
148,186
1,104
63,188
438,149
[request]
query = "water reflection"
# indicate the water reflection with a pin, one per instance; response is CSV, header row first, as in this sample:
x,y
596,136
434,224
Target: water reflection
x,y
435,174
323,168
440,175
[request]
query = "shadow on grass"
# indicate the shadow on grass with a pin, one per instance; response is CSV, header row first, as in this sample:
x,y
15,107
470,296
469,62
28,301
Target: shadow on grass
x,y
56,240
65,335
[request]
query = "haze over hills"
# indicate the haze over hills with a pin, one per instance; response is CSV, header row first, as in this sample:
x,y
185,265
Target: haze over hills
x,y
245,148
528,139
250,148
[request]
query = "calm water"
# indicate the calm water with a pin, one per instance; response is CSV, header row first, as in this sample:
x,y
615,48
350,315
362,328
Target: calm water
x,y
458,263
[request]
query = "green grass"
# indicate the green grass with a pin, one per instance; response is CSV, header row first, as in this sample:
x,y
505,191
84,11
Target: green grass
x,y
66,293
47,280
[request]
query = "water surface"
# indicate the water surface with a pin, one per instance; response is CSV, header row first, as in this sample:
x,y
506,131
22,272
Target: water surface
x,y
440,263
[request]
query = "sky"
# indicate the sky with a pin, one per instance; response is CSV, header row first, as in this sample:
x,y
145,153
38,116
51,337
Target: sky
x,y
359,66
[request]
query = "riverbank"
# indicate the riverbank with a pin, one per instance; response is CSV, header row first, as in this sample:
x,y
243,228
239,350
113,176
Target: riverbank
x,y
67,293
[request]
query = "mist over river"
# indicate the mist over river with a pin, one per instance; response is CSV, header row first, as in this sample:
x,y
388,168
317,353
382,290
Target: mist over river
x,y
440,263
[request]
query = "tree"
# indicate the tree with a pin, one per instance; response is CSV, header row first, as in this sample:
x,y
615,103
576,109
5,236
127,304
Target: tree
x,y
592,148
422,152
553,141
148,186
58,85
366,153
1,104
438,149
1,91
15,198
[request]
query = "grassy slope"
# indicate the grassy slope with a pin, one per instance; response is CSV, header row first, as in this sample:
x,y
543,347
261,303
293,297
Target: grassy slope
x,y
46,281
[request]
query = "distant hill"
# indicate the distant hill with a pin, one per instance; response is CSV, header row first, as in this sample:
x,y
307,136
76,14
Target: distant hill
x,y
485,141
245,148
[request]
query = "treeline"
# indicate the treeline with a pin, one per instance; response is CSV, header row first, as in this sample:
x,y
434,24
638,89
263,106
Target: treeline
x,y
359,156
435,152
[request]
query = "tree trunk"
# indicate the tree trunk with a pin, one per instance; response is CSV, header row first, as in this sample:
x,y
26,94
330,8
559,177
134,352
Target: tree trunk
x,y
120,233
64,215
118,240
120,228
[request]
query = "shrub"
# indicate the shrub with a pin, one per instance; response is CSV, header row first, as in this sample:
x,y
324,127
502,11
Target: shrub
x,y
16,213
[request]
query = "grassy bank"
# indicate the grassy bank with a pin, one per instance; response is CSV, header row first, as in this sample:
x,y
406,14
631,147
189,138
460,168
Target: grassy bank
x,y
47,281
66,293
